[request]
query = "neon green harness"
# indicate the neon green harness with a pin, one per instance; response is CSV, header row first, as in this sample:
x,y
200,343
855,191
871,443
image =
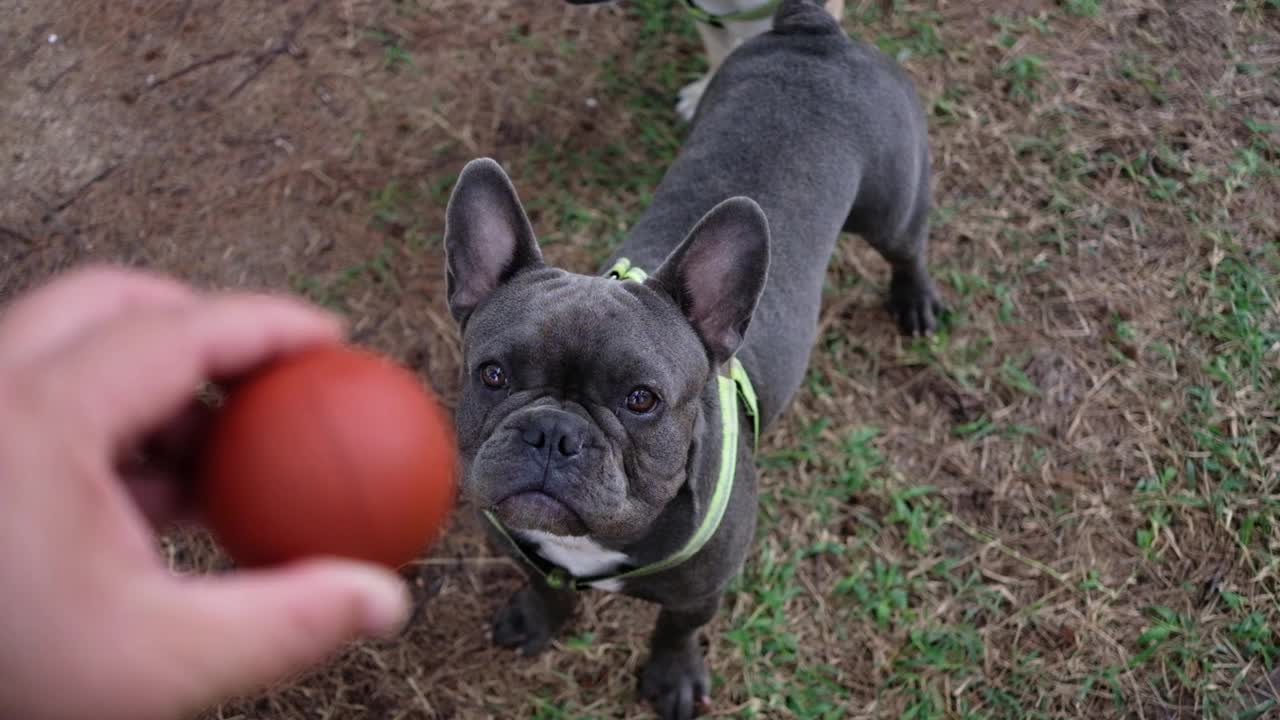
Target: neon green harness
x,y
735,387
760,13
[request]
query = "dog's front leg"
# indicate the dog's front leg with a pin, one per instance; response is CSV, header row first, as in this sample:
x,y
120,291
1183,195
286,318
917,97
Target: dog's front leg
x,y
533,617
675,679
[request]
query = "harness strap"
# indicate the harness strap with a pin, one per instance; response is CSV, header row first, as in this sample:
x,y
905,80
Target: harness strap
x,y
760,13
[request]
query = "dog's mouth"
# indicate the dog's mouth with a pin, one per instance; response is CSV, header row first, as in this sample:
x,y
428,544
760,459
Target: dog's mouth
x,y
537,510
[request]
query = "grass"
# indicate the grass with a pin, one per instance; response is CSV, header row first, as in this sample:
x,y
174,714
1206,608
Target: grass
x,y
923,38
618,171
394,57
955,640
1083,8
1065,504
1024,73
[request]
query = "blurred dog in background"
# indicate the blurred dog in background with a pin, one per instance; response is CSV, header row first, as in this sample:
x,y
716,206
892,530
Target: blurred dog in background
x,y
723,26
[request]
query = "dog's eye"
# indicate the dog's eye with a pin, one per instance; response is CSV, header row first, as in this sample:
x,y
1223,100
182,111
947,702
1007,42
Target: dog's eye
x,y
642,400
493,376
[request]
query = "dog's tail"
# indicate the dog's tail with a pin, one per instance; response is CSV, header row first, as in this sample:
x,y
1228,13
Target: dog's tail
x,y
804,17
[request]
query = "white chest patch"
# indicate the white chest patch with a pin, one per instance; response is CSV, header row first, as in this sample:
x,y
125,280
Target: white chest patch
x,y
580,556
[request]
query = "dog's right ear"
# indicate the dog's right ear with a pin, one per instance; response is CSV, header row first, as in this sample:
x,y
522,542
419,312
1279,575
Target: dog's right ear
x,y
487,237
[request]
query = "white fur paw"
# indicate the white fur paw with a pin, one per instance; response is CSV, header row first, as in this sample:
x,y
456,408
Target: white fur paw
x,y
690,95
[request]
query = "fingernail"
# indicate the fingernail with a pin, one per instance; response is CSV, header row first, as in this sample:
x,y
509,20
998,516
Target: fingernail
x,y
386,600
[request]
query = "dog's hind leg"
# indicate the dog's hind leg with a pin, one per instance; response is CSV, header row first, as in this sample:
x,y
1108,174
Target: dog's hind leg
x,y
913,300
903,241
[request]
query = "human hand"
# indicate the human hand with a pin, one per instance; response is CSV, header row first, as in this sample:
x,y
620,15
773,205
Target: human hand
x,y
92,367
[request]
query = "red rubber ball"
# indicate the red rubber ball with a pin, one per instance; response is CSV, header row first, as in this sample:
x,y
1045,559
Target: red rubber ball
x,y
332,451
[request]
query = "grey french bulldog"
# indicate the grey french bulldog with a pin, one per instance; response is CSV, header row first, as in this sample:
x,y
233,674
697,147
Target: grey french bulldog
x,y
593,426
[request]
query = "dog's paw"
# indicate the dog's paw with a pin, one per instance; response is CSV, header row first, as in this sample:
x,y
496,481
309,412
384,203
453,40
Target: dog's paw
x,y
676,683
914,303
525,624
690,96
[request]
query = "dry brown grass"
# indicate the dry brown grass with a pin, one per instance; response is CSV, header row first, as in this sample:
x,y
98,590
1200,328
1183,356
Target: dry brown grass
x,y
1068,505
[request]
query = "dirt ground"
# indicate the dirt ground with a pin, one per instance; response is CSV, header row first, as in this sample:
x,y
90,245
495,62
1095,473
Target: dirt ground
x,y
1065,505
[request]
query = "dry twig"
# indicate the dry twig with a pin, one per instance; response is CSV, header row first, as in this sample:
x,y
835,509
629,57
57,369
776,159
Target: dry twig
x,y
286,45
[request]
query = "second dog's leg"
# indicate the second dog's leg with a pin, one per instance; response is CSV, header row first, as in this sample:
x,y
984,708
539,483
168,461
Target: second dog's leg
x,y
718,43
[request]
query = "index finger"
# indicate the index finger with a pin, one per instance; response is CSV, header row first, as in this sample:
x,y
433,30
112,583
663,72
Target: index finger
x,y
58,312
139,371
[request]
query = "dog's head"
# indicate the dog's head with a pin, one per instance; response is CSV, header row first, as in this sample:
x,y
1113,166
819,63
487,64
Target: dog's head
x,y
582,395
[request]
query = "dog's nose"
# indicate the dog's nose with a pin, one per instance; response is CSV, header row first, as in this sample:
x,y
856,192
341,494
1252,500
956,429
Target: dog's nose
x,y
534,437
562,431
570,444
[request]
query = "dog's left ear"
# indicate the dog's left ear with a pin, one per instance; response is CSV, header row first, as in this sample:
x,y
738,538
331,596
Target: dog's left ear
x,y
717,274
487,237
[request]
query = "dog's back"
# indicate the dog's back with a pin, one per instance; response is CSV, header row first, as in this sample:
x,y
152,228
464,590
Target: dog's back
x,y
824,133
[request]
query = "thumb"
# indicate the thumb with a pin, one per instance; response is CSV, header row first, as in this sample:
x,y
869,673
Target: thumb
x,y
233,634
